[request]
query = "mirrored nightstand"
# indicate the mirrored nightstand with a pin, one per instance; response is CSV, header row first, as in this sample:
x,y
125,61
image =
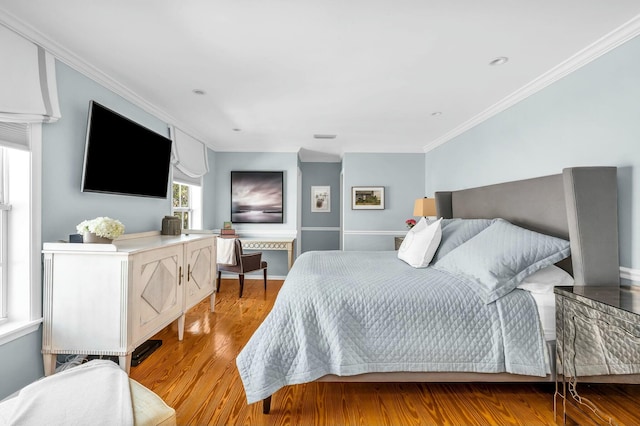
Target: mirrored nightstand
x,y
597,341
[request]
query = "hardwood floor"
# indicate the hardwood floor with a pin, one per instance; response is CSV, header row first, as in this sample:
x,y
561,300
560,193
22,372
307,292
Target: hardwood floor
x,y
198,377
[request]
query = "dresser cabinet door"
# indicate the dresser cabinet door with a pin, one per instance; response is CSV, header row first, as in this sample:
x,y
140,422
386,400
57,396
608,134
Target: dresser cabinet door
x,y
158,277
200,270
85,303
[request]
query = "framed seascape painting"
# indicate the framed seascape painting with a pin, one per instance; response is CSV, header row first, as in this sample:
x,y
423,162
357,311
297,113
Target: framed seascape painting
x,y
367,197
321,199
257,197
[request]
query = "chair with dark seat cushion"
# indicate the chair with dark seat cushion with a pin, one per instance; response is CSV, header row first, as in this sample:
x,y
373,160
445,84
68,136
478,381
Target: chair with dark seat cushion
x,y
245,263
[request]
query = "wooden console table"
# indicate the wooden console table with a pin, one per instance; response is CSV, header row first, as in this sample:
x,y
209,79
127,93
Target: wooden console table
x,y
270,244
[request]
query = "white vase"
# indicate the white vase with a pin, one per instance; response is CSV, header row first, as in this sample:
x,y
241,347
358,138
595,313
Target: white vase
x,y
90,237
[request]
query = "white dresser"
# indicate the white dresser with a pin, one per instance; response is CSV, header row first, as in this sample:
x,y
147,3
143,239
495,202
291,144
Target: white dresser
x,y
108,299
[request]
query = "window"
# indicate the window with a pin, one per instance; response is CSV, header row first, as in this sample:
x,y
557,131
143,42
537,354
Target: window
x,y
181,204
187,204
28,100
20,239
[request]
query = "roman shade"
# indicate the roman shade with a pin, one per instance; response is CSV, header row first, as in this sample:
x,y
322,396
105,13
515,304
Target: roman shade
x,y
15,135
28,92
189,158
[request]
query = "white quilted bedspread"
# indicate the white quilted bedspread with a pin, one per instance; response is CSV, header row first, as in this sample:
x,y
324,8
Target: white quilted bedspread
x,y
349,313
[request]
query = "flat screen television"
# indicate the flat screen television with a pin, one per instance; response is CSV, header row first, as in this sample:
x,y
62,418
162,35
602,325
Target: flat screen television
x,y
124,157
257,197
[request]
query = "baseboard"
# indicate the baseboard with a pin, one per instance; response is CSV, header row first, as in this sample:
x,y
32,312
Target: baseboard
x,y
630,274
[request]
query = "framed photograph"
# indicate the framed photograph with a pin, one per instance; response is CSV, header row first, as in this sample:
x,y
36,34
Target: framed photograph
x,y
257,197
227,225
367,197
320,199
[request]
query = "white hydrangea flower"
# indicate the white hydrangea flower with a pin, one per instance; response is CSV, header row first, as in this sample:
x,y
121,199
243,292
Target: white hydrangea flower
x,y
102,226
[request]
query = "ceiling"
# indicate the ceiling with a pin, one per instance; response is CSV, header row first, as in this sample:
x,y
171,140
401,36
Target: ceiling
x,y
383,76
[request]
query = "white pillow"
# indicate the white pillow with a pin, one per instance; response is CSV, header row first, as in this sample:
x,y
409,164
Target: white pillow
x,y
421,243
543,280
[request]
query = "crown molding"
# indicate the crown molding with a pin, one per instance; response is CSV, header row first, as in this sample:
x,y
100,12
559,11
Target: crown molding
x,y
74,61
601,46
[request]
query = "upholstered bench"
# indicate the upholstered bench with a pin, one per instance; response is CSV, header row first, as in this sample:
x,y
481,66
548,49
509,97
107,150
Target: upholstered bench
x,y
148,408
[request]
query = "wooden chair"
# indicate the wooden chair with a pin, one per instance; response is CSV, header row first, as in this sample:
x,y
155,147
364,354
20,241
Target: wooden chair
x,y
244,263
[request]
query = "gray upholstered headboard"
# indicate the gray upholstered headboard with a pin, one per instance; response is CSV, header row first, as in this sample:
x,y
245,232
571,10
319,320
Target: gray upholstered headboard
x,y
580,205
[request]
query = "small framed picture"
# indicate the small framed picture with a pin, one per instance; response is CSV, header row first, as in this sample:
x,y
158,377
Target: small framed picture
x,y
226,225
320,199
367,197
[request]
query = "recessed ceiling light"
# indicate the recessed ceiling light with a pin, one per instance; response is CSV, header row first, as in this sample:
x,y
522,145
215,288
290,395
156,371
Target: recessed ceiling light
x,y
235,129
324,136
500,60
436,113
199,92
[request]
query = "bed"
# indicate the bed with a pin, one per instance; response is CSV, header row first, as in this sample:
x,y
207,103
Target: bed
x,y
369,316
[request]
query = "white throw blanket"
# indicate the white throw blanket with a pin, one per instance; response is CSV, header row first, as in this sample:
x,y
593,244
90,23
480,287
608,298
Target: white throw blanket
x,y
95,393
226,253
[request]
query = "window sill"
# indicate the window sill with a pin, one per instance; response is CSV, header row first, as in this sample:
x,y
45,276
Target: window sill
x,y
13,330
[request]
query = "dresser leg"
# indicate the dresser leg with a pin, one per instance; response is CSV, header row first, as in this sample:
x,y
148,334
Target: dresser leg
x,y
49,364
181,327
125,362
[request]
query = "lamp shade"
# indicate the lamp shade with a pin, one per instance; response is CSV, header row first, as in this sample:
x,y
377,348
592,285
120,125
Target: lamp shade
x,y
425,207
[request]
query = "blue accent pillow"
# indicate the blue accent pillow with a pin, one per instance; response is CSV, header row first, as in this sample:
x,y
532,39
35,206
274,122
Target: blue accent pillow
x,y
456,232
501,256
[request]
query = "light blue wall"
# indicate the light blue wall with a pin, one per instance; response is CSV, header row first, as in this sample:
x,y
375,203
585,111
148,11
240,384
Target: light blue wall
x,y
402,176
224,163
320,240
589,118
320,174
63,203
20,363
210,197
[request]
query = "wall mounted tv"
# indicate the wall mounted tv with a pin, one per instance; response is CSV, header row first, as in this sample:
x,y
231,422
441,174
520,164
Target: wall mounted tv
x,y
123,157
256,197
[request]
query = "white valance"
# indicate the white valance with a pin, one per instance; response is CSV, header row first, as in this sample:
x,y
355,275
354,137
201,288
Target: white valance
x,y
180,177
28,90
189,155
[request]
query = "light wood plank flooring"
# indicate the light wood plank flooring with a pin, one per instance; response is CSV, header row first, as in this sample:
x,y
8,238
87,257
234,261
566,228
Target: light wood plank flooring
x,y
198,377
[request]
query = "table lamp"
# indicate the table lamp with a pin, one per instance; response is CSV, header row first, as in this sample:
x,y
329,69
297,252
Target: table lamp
x,y
425,207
